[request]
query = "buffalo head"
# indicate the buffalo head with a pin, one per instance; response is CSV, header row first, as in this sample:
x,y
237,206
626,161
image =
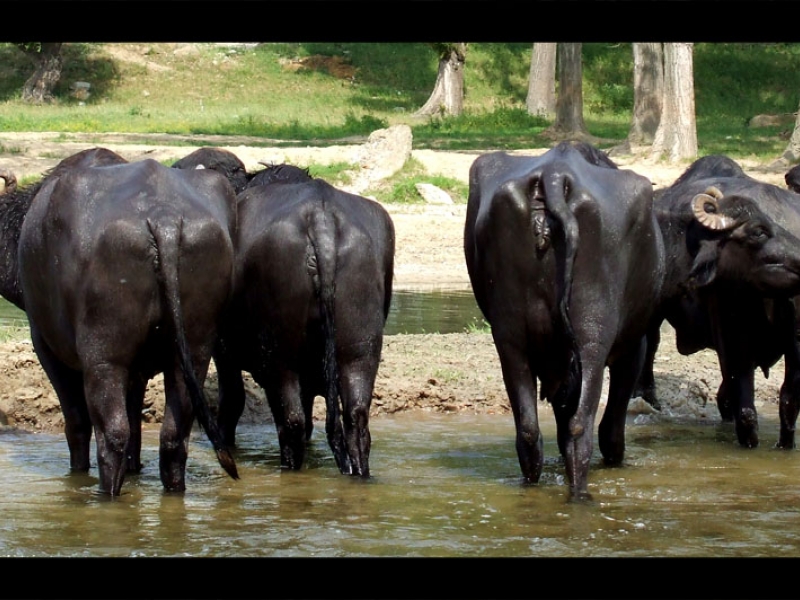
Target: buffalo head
x,y
750,242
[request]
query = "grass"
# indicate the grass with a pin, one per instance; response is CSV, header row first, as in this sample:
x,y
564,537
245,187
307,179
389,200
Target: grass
x,y
14,333
478,325
312,93
334,173
400,188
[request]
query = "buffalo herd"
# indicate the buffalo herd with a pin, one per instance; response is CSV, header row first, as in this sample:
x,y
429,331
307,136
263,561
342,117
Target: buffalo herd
x,y
130,269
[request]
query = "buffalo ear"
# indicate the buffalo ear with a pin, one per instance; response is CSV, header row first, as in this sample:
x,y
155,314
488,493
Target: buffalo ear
x,y
704,268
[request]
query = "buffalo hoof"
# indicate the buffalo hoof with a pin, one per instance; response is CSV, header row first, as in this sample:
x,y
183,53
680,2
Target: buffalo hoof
x,y
647,394
531,456
580,497
747,428
724,407
786,441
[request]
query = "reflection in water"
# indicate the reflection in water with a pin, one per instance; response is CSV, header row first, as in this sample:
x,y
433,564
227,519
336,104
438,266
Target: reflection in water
x,y
412,311
432,311
442,485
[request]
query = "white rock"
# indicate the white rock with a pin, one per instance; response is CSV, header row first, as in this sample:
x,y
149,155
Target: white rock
x,y
432,194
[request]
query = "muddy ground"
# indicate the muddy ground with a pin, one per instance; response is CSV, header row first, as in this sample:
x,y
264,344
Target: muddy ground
x,y
444,373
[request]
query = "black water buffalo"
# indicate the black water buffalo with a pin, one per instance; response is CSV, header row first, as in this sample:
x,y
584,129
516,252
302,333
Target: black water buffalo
x,y
123,270
733,256
566,262
314,268
14,204
220,160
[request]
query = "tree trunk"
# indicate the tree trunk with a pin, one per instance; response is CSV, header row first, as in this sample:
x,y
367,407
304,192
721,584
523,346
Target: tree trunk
x,y
648,91
447,97
792,153
541,100
38,89
676,136
569,123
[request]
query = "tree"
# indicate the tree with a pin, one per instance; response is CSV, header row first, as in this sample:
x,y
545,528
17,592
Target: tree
x,y
447,97
541,100
676,136
569,122
648,92
792,153
38,89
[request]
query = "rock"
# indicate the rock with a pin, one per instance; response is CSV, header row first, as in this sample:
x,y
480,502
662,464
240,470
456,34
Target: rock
x,y
387,150
432,194
384,153
80,90
772,120
638,406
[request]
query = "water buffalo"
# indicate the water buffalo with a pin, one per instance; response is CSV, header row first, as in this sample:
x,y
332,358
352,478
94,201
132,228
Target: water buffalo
x,y
220,160
313,284
733,255
123,270
566,262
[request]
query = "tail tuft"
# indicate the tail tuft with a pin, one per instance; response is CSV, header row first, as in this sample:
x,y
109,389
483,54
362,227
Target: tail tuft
x,y
225,459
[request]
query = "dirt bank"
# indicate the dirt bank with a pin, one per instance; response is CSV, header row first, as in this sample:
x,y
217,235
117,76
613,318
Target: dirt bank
x,y
418,372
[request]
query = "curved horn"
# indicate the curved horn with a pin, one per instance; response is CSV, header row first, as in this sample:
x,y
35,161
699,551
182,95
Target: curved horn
x,y
706,210
10,179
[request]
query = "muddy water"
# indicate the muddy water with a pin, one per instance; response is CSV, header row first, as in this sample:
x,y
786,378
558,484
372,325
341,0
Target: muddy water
x,y
442,485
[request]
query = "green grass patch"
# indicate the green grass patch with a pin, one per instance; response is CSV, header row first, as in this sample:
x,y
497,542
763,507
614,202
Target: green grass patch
x,y
478,325
335,173
400,188
14,333
314,93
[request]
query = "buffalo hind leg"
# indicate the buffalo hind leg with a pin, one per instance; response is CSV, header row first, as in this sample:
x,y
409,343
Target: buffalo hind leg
x,y
580,435
231,395
622,379
521,387
105,388
135,402
357,381
175,431
68,385
283,395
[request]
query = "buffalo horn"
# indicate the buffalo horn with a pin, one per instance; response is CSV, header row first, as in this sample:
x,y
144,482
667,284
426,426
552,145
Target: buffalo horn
x,y
711,219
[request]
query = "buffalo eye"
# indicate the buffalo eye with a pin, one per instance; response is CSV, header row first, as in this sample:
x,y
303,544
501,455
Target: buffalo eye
x,y
758,234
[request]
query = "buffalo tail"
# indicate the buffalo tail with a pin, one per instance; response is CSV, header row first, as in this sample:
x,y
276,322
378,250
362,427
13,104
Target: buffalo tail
x,y
555,183
167,242
322,233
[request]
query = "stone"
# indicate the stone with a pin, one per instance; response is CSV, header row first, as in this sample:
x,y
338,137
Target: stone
x,y
80,90
432,194
383,155
772,120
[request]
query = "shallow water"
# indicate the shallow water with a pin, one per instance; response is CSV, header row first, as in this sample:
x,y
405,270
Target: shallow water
x,y
433,311
442,485
430,310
